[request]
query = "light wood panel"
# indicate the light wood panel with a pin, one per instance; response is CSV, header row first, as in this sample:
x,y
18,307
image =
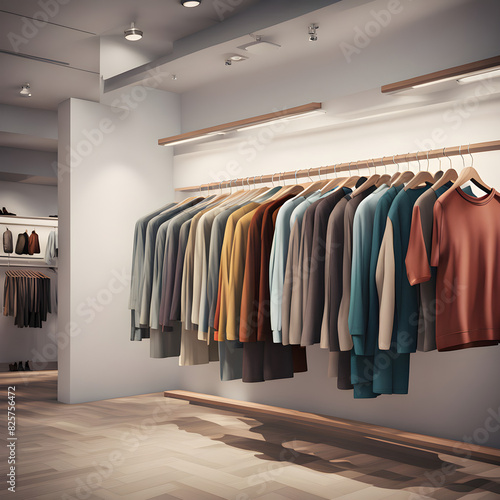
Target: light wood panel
x,y
455,72
255,120
383,434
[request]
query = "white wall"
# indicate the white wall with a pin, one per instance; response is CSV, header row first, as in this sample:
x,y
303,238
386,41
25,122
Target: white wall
x,y
33,122
452,393
28,162
115,174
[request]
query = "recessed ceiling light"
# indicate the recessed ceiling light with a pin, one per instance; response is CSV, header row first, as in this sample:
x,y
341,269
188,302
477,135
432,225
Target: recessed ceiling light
x,y
26,90
190,3
234,58
133,34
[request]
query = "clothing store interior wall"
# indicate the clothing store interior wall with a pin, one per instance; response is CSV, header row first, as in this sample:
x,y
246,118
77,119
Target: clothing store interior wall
x,y
126,175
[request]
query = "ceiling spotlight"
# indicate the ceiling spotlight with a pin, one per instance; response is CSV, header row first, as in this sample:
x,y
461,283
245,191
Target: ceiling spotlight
x,y
133,34
313,36
26,90
235,58
190,3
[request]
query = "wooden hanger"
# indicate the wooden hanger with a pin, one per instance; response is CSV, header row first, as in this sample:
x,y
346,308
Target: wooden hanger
x,y
371,181
422,177
313,186
449,176
405,176
470,174
350,181
254,192
384,178
333,182
294,189
394,176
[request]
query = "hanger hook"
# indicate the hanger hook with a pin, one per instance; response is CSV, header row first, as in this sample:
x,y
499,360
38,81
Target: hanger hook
x,y
460,153
309,173
428,159
408,161
449,159
319,173
416,156
349,167
394,161
284,178
471,157
335,170
296,176
272,179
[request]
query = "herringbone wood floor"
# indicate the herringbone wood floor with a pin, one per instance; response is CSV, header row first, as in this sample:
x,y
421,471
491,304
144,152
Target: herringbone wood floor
x,y
151,447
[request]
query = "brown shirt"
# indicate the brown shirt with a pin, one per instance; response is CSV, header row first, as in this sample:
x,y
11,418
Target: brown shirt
x,y
465,244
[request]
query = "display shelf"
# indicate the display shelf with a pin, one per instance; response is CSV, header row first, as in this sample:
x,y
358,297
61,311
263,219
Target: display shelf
x,y
348,428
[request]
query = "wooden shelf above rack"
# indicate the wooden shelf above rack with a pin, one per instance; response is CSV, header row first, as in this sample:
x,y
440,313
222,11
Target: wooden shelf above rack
x,y
247,122
445,74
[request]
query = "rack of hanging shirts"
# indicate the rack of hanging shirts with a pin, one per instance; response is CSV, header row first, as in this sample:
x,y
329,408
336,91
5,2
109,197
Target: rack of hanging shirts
x,y
27,297
255,277
478,147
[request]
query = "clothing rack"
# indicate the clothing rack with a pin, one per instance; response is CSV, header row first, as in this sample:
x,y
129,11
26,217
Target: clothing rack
x,y
478,147
25,274
5,223
13,264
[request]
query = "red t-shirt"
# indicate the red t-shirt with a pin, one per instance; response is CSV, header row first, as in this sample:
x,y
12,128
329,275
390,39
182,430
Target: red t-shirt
x,y
466,251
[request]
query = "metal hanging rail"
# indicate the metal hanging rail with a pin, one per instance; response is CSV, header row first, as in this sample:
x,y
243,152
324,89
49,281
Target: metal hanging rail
x,y
478,147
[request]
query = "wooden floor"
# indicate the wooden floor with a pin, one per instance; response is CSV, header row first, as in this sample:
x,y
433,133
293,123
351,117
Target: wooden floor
x,y
148,446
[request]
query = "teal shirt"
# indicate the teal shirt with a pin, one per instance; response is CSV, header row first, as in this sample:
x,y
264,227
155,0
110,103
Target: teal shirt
x,y
406,310
388,369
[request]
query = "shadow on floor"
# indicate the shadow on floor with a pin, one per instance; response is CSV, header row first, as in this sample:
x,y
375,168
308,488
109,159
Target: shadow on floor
x,y
349,454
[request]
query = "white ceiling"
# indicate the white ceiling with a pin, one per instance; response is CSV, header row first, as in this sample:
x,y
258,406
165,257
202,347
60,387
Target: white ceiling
x,y
73,33
87,37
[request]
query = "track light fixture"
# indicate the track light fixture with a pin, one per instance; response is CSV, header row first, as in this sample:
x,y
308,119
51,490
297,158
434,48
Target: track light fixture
x,y
190,3
313,36
133,34
26,90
